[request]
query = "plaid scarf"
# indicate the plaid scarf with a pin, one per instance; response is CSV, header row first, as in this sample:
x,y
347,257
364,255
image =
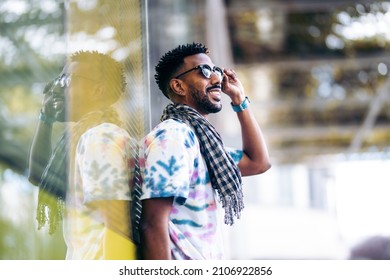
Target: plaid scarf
x,y
53,185
224,174
136,206
55,178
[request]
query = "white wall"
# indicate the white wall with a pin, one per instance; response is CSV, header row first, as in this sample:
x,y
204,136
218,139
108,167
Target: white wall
x,y
280,220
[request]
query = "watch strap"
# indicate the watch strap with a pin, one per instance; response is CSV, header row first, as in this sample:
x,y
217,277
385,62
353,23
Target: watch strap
x,y
46,119
241,107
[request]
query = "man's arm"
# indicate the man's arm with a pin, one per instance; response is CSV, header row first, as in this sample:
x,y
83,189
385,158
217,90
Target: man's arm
x,y
40,150
255,159
154,228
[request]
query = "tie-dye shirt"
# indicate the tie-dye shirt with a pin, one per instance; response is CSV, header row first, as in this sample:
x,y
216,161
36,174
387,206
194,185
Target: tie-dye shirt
x,y
173,166
101,172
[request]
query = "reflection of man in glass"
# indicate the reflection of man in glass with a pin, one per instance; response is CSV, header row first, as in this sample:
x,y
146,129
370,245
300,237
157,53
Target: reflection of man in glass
x,y
89,167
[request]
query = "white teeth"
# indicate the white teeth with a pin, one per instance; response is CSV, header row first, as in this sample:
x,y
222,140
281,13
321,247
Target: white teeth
x,y
215,95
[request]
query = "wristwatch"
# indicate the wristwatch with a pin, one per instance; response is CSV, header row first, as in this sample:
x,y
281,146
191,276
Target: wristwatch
x,y
241,107
46,119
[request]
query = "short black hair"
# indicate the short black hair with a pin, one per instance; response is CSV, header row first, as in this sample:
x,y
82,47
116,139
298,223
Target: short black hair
x,y
107,70
171,61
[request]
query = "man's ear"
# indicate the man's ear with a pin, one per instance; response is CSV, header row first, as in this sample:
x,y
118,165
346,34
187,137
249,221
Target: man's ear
x,y
98,92
177,87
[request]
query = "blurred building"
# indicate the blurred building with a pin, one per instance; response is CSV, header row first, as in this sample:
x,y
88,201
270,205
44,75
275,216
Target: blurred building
x,y
317,76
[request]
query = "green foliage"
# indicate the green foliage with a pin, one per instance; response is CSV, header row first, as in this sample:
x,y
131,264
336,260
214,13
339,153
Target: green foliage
x,y
28,59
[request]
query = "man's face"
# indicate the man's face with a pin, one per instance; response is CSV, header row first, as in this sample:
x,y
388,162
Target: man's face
x,y
204,94
56,95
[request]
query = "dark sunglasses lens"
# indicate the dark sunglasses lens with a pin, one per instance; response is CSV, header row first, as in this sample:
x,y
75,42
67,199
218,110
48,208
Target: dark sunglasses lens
x,y
218,71
206,70
64,81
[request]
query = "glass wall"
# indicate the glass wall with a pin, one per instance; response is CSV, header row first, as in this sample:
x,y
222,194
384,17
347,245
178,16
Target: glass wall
x,y
36,38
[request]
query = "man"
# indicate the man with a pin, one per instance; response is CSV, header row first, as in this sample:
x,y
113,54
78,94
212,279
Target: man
x,y
186,167
87,175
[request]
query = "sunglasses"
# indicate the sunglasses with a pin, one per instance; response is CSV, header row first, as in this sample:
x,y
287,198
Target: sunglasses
x,y
63,81
206,70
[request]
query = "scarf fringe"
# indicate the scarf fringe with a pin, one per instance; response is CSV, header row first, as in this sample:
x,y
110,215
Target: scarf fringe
x,y
50,211
233,206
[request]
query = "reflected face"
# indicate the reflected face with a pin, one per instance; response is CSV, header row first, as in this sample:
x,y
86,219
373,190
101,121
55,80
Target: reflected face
x,y
57,91
72,92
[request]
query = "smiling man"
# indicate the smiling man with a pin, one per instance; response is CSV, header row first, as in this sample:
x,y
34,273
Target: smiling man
x,y
186,167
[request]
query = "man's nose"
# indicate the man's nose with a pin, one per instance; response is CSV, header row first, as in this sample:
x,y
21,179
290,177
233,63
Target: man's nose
x,y
216,78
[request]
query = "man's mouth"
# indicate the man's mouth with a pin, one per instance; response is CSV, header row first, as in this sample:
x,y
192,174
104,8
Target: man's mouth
x,y
58,103
215,93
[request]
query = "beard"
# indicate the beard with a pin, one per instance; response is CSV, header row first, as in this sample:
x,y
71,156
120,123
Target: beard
x,y
203,102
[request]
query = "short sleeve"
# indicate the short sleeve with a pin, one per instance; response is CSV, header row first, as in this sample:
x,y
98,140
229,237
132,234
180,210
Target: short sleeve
x,y
103,164
168,162
235,154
